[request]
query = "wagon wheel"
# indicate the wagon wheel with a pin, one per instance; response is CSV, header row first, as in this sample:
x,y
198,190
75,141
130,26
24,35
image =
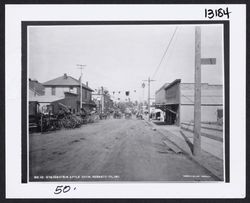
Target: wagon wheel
x,y
59,124
73,123
65,123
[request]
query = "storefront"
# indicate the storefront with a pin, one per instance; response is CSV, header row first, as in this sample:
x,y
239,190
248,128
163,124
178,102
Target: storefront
x,y
176,99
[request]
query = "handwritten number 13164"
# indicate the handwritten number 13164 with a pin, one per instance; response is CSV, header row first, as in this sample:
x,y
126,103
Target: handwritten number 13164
x,y
211,13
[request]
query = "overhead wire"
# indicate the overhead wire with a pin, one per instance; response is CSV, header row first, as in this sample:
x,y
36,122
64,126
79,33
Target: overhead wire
x,y
168,56
165,52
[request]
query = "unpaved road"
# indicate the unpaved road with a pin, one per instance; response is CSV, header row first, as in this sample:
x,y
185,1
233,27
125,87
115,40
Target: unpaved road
x,y
109,150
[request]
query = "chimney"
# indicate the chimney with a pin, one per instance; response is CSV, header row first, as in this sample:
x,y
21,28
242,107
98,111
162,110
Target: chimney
x,y
65,76
87,83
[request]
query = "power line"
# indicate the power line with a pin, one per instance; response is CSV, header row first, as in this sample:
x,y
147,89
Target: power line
x,y
165,52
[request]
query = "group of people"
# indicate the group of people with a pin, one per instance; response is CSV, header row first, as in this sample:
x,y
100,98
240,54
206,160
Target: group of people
x,y
117,114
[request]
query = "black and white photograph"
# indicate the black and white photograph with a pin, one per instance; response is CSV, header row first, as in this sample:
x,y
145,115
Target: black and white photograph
x,y
126,102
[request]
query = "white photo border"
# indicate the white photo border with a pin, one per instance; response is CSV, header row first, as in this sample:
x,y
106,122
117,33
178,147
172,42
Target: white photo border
x,y
15,14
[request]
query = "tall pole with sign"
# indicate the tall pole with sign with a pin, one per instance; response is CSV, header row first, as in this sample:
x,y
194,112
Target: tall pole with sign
x,y
197,94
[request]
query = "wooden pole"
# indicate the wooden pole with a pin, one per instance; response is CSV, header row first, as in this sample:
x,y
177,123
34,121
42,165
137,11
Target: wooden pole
x,y
149,80
102,99
81,91
81,68
197,93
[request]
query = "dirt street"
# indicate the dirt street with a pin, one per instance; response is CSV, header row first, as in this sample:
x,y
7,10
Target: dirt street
x,y
109,150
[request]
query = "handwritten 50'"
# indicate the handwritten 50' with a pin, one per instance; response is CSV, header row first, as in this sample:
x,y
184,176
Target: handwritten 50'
x,y
62,189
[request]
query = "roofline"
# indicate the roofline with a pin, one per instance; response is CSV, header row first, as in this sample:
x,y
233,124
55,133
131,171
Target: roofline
x,y
169,85
162,87
33,89
203,83
84,87
173,83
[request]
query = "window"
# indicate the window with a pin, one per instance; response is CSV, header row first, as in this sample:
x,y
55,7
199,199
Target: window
x,y
86,94
53,91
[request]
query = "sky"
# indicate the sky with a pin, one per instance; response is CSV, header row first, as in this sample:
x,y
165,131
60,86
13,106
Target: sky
x,y
120,57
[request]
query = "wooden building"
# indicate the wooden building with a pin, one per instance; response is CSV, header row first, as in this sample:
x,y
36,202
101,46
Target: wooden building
x,y
176,99
68,88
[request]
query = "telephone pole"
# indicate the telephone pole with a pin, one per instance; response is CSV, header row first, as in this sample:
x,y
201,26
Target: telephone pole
x,y
102,99
148,80
80,66
197,93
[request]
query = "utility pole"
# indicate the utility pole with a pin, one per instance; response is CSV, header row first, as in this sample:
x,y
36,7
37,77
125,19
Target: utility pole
x,y
197,94
149,80
80,66
102,99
